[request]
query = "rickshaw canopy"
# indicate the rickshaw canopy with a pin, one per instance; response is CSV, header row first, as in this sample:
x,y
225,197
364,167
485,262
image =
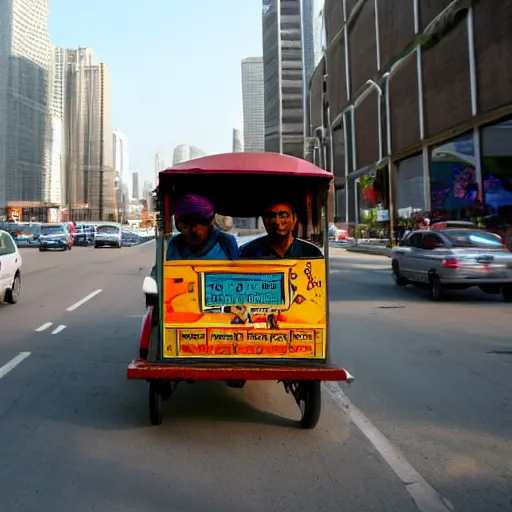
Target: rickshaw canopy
x,y
250,163
239,183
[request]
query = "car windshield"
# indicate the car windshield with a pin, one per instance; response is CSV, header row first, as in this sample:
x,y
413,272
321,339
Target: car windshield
x,y
107,230
470,238
52,230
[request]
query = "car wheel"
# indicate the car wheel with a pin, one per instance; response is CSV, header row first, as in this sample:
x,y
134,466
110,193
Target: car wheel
x,y
399,280
436,288
41,249
96,246
12,296
507,293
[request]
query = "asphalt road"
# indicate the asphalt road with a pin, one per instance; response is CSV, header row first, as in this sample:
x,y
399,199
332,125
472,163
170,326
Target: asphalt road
x,y
75,434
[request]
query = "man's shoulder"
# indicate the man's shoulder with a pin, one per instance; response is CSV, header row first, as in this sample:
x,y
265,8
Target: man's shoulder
x,y
308,249
253,244
226,236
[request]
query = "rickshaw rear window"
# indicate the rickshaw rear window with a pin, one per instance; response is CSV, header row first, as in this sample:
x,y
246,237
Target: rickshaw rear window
x,y
243,289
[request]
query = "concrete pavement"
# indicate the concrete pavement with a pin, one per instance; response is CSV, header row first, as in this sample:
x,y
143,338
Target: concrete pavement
x,y
75,433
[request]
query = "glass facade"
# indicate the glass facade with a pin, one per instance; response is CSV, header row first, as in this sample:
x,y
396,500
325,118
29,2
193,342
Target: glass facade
x,y
453,179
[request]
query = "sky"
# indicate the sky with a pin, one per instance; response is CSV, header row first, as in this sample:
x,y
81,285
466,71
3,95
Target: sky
x,y
175,67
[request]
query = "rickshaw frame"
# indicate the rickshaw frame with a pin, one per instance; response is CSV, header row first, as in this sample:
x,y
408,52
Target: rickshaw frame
x,y
300,377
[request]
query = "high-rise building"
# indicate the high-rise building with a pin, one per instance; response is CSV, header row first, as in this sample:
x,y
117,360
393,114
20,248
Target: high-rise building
x,y
282,65
135,185
238,143
147,188
185,152
25,139
90,178
313,37
55,176
253,101
121,165
313,41
159,166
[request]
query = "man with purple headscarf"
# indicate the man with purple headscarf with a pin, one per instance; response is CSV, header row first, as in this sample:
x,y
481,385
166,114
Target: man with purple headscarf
x,y
198,237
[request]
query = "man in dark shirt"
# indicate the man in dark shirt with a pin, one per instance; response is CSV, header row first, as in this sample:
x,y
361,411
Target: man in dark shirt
x,y
280,221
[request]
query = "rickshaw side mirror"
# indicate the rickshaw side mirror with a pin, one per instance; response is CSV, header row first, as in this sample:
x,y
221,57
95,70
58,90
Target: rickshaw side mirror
x,y
149,286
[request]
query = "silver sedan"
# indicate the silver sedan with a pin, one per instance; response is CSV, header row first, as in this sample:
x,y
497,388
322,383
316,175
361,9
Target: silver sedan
x,y
454,258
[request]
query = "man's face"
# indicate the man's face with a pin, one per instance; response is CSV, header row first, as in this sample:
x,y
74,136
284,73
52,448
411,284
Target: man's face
x,y
279,220
195,231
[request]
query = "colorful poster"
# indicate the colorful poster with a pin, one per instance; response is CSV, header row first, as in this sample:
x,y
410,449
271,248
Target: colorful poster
x,y
245,309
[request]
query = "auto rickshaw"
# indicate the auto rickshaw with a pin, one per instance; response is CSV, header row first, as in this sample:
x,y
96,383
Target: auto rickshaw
x,y
244,319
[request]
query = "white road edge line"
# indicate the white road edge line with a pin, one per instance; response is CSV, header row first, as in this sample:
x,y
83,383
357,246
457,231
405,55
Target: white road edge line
x,y
59,329
7,367
76,305
427,499
44,327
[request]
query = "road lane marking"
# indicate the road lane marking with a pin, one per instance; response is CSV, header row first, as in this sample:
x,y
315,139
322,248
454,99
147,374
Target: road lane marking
x,y
44,327
81,302
7,367
59,329
427,499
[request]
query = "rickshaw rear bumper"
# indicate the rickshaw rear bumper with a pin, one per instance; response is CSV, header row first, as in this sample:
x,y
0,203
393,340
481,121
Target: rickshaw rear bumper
x,y
140,369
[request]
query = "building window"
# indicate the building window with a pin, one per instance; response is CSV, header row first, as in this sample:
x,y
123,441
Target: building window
x,y
410,187
453,183
341,205
496,151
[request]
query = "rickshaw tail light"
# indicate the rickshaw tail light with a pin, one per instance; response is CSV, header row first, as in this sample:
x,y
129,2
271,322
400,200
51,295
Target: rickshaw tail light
x,y
450,263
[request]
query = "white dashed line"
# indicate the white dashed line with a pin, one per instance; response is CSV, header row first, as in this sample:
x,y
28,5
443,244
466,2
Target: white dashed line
x,y
6,368
59,329
427,499
76,305
44,327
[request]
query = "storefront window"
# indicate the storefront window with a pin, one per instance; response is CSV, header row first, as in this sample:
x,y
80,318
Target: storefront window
x,y
341,205
410,187
453,182
497,177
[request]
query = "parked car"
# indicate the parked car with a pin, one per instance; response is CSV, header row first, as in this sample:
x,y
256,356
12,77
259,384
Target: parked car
x,y
84,234
10,269
25,234
107,235
55,236
453,258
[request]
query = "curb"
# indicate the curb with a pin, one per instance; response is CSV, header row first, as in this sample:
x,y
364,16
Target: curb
x,y
377,251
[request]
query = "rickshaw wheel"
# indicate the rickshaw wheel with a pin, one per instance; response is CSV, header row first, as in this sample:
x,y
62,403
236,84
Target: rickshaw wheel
x,y
310,403
155,403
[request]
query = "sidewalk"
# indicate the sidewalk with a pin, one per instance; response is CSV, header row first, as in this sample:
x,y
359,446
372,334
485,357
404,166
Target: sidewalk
x,y
378,250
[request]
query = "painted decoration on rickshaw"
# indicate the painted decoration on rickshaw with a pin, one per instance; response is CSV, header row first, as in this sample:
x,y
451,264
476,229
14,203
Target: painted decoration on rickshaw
x,y
245,309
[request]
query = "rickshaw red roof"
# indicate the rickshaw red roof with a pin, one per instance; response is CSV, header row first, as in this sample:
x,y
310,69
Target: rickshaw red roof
x,y
250,163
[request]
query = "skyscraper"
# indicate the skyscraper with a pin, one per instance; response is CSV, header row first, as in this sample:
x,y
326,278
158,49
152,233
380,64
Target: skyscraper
x,y
121,166
135,185
313,40
282,63
159,166
238,145
25,57
185,152
253,100
90,176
